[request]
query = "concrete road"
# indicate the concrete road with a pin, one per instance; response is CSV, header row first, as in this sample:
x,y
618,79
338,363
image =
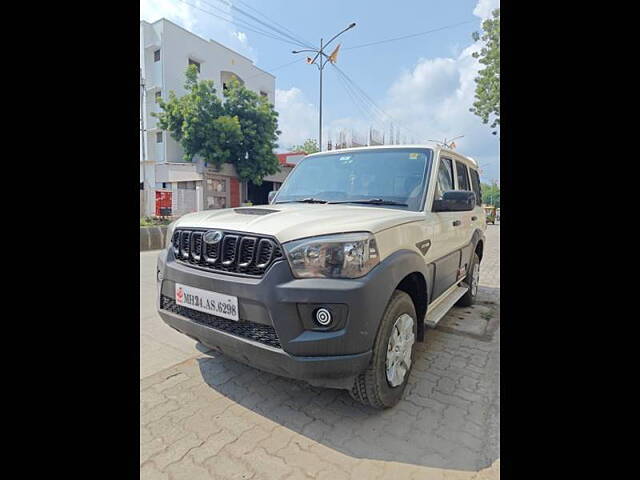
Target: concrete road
x,y
206,416
161,347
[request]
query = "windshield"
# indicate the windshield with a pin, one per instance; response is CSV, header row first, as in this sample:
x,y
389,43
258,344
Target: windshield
x,y
394,177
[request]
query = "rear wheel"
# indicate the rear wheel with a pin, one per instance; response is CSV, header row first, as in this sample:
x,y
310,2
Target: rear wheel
x,y
382,384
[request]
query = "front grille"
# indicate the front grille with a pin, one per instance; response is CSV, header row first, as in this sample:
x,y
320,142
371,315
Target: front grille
x,y
254,331
234,253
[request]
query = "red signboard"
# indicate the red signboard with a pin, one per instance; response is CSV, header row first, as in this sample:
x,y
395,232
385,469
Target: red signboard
x,y
163,200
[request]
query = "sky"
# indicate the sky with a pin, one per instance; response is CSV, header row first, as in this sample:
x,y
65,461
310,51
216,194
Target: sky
x,y
423,85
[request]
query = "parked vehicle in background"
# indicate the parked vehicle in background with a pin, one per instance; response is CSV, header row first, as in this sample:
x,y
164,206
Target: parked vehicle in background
x,y
334,281
490,213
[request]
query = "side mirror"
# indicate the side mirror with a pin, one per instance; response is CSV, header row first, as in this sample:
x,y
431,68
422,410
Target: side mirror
x,y
455,201
272,194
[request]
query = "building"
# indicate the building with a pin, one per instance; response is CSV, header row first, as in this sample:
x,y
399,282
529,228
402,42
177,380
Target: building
x,y
166,50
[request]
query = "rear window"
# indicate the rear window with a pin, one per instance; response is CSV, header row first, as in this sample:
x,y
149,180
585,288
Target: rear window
x,y
475,184
445,178
463,176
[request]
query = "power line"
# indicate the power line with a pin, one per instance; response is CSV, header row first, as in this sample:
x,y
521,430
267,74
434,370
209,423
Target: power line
x,y
374,106
268,70
410,35
308,44
265,24
240,23
358,102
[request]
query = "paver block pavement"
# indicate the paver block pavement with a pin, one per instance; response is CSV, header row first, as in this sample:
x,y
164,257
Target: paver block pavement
x,y
211,416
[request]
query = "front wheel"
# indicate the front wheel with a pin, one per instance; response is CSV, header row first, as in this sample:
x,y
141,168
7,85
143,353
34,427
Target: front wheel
x,y
382,384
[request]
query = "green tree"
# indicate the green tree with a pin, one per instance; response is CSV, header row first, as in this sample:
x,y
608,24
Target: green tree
x,y
253,154
309,146
491,194
241,130
487,95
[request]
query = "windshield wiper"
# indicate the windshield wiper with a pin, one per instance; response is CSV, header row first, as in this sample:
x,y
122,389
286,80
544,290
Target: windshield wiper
x,y
373,201
306,200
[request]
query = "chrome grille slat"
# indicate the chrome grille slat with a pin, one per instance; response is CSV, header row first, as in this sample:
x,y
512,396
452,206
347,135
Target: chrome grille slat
x,y
196,246
229,249
265,253
247,249
185,244
238,253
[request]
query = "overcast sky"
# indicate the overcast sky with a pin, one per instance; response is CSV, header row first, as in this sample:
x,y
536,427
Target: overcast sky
x,y
424,84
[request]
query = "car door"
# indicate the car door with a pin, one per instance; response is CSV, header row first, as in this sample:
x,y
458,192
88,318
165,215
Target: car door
x,y
477,218
446,240
469,220
463,182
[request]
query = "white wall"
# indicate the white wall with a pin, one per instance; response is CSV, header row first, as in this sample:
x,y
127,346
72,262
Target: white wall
x,y
176,46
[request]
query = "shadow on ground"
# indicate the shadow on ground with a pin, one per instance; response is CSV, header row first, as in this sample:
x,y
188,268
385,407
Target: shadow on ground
x,y
441,421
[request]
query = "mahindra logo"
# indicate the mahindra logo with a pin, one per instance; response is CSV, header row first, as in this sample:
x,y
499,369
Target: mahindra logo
x,y
212,237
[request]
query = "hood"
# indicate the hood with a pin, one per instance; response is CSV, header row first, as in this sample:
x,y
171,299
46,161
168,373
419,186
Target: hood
x,y
291,221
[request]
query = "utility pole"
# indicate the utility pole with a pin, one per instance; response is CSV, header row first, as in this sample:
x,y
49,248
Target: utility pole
x,y
324,58
145,192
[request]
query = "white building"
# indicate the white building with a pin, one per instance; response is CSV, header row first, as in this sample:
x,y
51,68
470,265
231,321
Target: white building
x,y
166,50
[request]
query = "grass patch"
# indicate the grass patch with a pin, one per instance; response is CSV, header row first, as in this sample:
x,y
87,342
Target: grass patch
x,y
154,221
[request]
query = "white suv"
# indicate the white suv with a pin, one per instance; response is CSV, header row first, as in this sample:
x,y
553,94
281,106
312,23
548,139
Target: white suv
x,y
336,279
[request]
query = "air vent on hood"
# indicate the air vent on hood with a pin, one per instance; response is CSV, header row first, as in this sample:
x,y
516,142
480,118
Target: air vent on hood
x,y
254,211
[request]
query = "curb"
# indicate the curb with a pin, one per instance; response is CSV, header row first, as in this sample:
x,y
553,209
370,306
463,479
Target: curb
x,y
152,238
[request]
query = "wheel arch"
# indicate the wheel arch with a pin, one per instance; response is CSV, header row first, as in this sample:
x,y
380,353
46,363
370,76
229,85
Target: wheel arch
x,y
478,243
415,285
409,273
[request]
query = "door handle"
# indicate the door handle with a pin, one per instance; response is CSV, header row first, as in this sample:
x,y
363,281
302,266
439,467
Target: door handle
x,y
457,223
473,219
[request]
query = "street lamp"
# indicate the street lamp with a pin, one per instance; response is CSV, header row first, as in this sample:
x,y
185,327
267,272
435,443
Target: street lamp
x,y
324,58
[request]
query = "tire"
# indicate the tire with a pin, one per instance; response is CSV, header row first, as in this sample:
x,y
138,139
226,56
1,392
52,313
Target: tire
x,y
469,298
372,386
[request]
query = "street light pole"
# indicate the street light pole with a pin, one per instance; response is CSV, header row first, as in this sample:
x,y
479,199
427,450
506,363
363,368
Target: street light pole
x,y
145,193
324,58
320,122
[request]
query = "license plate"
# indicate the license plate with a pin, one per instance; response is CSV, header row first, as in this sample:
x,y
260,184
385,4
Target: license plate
x,y
218,304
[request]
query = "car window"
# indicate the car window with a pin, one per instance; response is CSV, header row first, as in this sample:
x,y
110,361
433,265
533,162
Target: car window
x,y
475,183
445,178
463,176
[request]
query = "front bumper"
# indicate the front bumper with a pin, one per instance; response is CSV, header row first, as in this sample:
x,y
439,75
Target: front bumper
x,y
278,300
325,371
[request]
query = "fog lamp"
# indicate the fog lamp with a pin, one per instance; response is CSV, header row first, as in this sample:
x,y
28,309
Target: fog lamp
x,y
323,316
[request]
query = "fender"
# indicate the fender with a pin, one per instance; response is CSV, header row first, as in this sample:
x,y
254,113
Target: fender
x,y
477,236
385,277
402,263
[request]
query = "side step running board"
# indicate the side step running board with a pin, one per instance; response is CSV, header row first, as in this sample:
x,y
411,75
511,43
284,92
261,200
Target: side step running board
x,y
441,309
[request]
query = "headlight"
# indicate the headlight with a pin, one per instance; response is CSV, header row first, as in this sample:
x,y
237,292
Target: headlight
x,y
170,228
346,255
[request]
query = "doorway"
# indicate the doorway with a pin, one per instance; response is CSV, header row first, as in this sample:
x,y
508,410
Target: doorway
x,y
259,194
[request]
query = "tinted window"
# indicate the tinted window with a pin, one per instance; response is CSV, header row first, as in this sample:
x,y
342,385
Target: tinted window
x,y
475,183
445,178
463,176
390,174
156,56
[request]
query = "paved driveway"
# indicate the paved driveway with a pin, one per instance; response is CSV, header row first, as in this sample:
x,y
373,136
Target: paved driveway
x,y
206,416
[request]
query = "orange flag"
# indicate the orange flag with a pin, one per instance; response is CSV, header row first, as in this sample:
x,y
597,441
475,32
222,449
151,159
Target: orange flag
x,y
334,55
